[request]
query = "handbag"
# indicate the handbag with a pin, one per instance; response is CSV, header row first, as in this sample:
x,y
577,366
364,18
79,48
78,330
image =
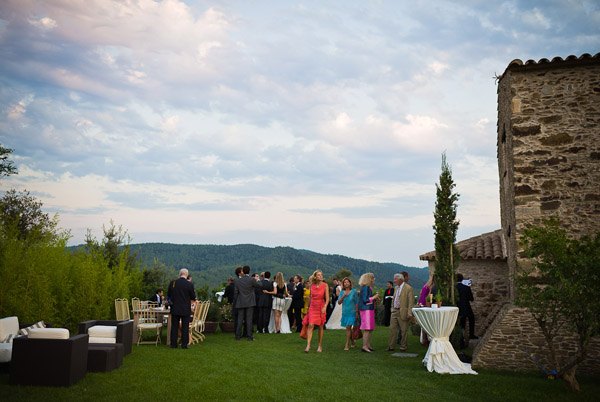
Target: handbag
x,y
303,332
356,333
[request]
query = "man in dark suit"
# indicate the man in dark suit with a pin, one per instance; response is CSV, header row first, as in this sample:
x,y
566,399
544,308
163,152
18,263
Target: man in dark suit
x,y
157,298
244,302
297,302
234,310
465,297
228,294
181,293
265,303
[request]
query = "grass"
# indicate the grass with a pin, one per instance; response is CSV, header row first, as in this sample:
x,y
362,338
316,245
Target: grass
x,y
274,367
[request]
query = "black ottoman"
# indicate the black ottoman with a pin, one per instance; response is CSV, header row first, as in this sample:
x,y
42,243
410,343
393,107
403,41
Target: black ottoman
x,y
104,356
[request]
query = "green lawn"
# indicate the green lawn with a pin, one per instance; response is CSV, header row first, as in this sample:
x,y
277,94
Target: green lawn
x,y
274,367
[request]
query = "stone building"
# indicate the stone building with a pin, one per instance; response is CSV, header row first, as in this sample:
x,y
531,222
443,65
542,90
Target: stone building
x,y
549,165
483,260
549,146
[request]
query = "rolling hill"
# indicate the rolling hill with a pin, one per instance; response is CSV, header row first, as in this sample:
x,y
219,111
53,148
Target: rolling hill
x,y
213,264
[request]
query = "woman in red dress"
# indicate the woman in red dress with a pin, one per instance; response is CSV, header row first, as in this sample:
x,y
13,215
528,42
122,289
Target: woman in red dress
x,y
319,299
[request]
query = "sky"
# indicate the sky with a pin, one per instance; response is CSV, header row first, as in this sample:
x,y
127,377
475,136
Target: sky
x,y
317,125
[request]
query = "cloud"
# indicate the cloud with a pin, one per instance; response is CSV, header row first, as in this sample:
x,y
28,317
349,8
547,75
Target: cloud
x,y
44,23
274,121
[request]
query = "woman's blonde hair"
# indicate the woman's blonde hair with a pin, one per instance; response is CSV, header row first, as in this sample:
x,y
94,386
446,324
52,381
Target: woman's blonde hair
x,y
313,277
279,280
366,279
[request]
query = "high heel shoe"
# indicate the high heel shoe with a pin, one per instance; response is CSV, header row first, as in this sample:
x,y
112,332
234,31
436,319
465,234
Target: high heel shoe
x,y
307,349
319,350
365,350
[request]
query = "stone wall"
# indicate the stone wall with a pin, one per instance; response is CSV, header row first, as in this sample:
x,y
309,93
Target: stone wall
x,y
549,148
549,165
515,342
490,288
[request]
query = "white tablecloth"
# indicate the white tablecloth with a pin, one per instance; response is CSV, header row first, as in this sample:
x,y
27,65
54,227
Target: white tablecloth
x,y
285,322
439,323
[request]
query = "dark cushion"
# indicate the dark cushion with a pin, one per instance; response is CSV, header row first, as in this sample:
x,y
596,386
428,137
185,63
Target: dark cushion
x,y
104,356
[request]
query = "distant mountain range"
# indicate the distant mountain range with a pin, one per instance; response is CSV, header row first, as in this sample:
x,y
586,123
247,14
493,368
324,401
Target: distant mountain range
x,y
213,264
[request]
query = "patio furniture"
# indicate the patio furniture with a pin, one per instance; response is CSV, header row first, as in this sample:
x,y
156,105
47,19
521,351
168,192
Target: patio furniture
x,y
148,320
9,329
197,330
49,356
197,323
122,309
109,331
135,303
104,357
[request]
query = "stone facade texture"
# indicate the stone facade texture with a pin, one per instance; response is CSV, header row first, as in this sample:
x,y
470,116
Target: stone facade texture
x,y
549,147
515,342
483,260
549,165
490,285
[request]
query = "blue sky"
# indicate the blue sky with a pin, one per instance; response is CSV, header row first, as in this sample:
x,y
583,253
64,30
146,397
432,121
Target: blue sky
x,y
316,125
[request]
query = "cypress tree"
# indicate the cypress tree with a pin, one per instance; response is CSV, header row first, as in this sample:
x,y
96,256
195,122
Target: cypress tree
x,y
445,228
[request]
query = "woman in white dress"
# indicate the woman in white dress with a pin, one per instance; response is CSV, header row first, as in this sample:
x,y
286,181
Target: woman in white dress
x,y
335,320
279,293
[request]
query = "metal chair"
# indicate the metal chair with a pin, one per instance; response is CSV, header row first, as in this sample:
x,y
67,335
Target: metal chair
x,y
148,321
122,309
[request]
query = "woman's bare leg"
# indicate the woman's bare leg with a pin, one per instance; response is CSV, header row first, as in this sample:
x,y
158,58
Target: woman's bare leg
x,y
348,337
366,340
309,334
321,332
277,321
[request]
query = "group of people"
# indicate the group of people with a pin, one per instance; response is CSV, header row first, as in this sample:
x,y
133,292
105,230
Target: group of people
x,y
255,299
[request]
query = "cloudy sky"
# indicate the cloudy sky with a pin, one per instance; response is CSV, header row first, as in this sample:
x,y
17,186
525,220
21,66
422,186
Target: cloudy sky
x,y
316,124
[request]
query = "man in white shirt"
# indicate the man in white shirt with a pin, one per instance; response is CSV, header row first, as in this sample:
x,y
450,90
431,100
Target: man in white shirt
x,y
404,300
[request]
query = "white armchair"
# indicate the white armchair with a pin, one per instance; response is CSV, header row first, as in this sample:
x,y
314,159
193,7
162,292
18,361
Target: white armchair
x,y
9,328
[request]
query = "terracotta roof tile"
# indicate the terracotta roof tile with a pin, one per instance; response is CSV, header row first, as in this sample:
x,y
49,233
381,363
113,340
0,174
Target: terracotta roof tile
x,y
487,246
570,60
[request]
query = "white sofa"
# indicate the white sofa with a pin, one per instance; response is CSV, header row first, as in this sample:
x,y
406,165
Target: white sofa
x,y
8,326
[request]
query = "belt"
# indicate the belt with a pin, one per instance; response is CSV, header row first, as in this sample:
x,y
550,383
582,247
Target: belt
x,y
394,308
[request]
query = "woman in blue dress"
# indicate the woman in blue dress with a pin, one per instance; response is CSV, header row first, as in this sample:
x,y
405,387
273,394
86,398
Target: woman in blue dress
x,y
348,298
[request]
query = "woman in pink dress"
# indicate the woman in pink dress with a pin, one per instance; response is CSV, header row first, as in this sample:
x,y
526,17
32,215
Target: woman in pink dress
x,y
366,307
317,309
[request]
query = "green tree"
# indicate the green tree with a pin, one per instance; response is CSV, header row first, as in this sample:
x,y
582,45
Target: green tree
x,y
24,212
560,290
343,273
115,246
445,228
7,166
155,277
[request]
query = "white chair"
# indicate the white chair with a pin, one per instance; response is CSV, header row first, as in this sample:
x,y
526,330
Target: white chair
x,y
135,303
197,331
195,336
9,328
122,309
148,321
